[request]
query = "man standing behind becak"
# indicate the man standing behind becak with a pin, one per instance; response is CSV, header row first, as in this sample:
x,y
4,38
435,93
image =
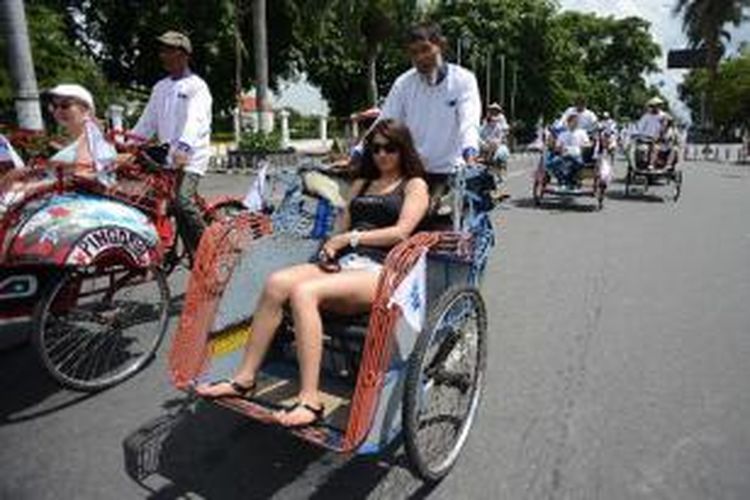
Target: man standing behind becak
x,y
179,114
440,104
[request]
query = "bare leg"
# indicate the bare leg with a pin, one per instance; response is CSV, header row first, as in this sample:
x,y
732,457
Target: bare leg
x,y
266,320
350,290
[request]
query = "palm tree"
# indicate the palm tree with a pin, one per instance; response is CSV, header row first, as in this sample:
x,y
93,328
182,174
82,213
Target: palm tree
x,y
704,23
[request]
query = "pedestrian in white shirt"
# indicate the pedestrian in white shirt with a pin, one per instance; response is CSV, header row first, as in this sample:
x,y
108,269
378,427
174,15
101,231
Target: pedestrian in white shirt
x,y
178,113
439,102
587,119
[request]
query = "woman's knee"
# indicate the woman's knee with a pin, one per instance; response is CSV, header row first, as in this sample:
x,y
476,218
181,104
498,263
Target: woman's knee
x,y
278,286
304,294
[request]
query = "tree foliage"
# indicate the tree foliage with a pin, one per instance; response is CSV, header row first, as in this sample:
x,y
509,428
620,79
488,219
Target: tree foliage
x,y
730,96
557,56
351,49
56,57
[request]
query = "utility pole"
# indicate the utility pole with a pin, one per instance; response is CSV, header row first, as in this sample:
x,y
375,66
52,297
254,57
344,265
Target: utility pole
x,y
488,80
260,47
238,50
513,92
502,80
21,65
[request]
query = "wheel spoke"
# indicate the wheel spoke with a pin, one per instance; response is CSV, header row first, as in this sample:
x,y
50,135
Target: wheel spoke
x,y
107,332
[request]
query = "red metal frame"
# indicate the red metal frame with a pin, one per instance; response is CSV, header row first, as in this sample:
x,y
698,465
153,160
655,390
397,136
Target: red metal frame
x,y
216,258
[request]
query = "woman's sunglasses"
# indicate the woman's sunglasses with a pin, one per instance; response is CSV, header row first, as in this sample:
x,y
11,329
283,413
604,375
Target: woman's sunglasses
x,y
60,105
388,147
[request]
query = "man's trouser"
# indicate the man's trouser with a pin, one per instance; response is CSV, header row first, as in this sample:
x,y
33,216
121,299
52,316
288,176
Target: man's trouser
x,y
190,224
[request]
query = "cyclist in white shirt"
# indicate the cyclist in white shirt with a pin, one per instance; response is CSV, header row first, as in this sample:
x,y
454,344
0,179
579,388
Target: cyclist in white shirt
x,y
587,119
569,148
439,102
650,126
178,113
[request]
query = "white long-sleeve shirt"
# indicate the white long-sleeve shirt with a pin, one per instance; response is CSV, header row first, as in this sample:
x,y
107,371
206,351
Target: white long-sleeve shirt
x,y
179,113
443,118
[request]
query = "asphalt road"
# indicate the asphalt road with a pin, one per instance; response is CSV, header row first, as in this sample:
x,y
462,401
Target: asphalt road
x,y
618,369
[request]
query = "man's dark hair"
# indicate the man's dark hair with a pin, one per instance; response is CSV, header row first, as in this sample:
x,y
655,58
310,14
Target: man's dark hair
x,y
425,32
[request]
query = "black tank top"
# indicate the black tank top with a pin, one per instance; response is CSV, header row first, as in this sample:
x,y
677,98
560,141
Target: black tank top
x,y
375,211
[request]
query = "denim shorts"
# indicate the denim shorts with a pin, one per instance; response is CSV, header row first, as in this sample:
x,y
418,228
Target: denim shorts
x,y
357,262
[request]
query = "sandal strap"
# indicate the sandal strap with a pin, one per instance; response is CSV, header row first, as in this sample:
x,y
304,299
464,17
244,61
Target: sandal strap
x,y
241,390
318,412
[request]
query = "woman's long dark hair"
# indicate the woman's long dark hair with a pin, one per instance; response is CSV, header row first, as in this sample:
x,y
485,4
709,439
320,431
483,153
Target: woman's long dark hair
x,y
397,134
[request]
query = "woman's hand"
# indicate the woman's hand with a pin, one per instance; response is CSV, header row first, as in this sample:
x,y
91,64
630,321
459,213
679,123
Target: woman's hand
x,y
335,244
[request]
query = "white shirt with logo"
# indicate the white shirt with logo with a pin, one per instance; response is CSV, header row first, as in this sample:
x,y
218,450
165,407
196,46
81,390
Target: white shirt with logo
x,y
179,113
443,118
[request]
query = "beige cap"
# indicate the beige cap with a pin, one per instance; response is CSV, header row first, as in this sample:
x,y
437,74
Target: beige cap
x,y
655,101
494,107
177,40
75,91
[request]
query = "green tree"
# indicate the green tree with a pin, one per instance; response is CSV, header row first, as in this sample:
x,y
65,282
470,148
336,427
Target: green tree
x,y
704,23
121,38
350,48
557,56
730,96
56,59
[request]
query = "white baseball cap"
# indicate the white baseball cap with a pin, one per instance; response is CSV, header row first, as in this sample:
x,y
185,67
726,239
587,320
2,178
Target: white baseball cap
x,y
75,91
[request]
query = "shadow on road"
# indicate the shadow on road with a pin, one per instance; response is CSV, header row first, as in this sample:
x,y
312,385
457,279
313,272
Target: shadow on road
x,y
639,196
202,449
28,392
25,385
557,204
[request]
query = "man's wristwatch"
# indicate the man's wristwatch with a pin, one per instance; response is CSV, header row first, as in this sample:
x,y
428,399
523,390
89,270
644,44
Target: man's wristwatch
x,y
354,238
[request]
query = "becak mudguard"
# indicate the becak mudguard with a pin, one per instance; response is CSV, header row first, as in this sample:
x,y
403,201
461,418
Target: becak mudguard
x,y
77,228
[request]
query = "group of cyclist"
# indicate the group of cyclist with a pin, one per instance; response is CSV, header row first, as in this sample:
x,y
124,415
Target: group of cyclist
x,y
571,139
429,123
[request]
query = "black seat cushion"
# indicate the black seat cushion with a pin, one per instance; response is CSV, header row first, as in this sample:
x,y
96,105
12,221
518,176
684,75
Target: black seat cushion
x,y
346,326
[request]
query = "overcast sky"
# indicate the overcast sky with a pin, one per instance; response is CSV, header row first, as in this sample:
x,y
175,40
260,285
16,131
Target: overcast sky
x,y
666,29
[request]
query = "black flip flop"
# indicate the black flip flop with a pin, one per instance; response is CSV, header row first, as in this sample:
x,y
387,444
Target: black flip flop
x,y
318,412
241,391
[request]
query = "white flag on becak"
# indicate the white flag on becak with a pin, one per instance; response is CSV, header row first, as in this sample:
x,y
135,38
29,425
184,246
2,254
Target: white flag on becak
x,y
254,198
103,153
411,294
7,154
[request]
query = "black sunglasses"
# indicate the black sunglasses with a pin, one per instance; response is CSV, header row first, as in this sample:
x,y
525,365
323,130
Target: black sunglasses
x,y
60,104
388,147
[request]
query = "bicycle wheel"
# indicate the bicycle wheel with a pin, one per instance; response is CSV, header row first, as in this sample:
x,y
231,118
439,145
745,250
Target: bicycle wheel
x,y
444,382
94,329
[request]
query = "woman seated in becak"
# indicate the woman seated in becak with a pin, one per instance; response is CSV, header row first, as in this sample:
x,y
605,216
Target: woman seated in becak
x,y
389,199
73,108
